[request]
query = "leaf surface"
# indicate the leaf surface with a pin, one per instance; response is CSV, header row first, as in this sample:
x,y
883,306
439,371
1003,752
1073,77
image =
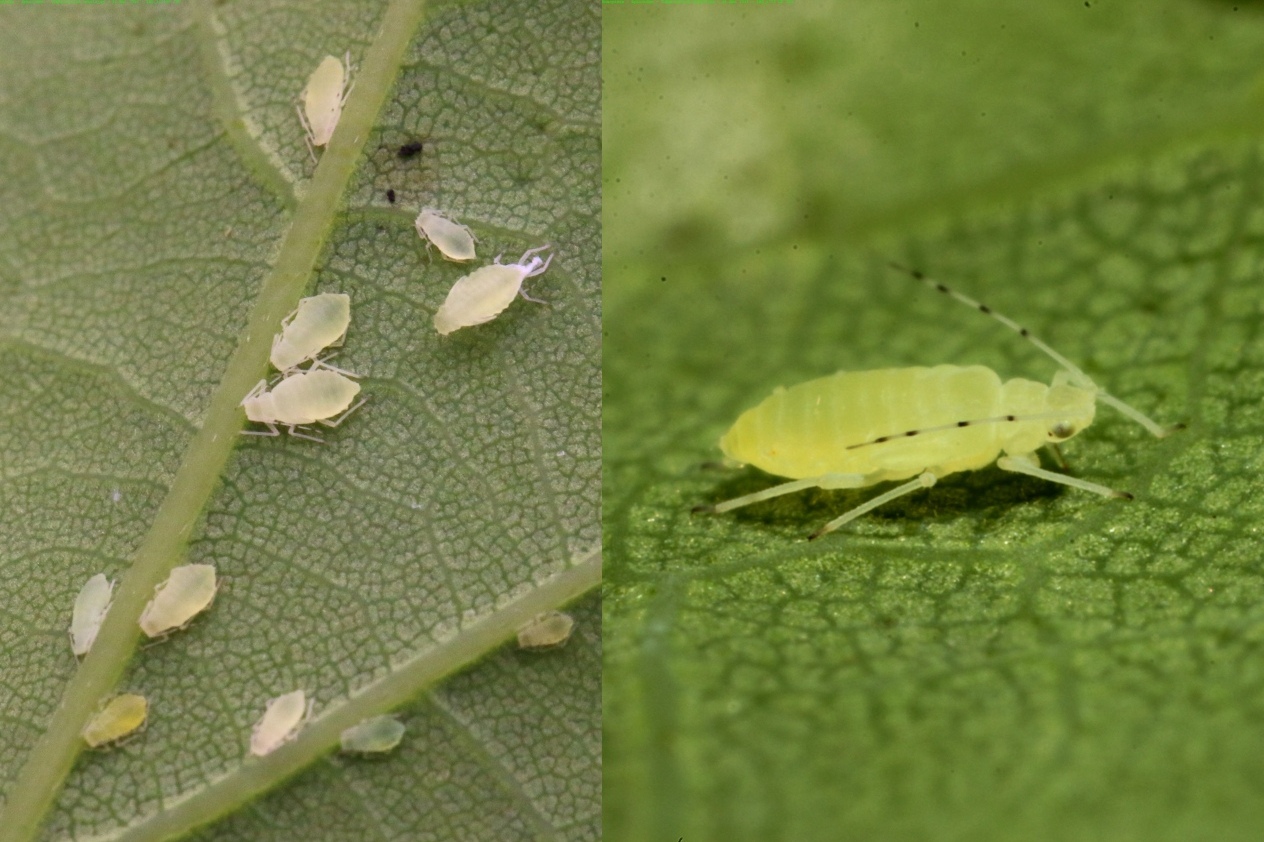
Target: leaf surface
x,y
161,216
997,657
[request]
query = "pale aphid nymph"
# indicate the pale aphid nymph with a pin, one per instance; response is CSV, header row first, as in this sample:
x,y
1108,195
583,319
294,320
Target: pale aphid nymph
x,y
304,397
855,429
454,240
120,716
375,735
187,592
484,294
323,98
316,323
546,631
280,723
91,605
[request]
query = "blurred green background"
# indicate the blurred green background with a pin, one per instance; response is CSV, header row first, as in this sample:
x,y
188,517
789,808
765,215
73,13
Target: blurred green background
x,y
996,658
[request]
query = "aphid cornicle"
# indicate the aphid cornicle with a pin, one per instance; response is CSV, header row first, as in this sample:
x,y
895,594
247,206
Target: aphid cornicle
x,y
854,429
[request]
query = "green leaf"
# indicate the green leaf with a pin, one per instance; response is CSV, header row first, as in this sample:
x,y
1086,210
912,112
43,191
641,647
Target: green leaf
x,y
161,216
997,657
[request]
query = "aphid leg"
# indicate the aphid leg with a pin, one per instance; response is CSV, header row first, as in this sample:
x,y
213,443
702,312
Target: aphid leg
x,y
322,364
317,362
1056,452
825,481
523,293
272,430
926,480
347,83
292,428
307,129
535,250
334,422
259,389
1026,464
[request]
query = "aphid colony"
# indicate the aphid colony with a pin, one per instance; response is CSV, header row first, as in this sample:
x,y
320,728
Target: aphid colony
x,y
474,299
855,429
319,393
187,592
298,397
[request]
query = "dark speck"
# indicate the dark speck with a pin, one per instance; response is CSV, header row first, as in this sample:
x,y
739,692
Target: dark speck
x,y
409,149
390,196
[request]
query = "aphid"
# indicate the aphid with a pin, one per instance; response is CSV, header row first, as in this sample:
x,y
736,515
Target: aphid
x,y
187,592
304,397
373,736
317,323
323,98
854,429
546,631
484,293
390,195
409,149
89,613
121,716
281,721
454,240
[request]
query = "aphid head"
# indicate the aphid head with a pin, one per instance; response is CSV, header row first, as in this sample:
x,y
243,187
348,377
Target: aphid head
x,y
1074,407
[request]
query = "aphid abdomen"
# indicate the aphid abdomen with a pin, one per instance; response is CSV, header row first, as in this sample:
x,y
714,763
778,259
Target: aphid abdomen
x,y
317,323
479,297
312,396
858,422
322,99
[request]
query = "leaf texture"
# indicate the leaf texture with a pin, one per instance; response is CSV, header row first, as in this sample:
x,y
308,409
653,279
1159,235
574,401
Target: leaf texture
x,y
161,215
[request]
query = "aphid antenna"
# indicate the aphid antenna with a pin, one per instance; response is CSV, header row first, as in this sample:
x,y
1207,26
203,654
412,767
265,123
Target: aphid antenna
x,y
1077,375
957,425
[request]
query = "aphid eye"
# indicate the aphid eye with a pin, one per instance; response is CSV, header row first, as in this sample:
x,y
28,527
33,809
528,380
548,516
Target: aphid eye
x,y
1062,430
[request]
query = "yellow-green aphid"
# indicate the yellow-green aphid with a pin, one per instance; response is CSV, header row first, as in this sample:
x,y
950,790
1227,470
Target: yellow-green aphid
x,y
187,592
546,631
454,240
304,397
323,98
854,429
121,716
317,323
483,294
373,736
280,723
89,613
